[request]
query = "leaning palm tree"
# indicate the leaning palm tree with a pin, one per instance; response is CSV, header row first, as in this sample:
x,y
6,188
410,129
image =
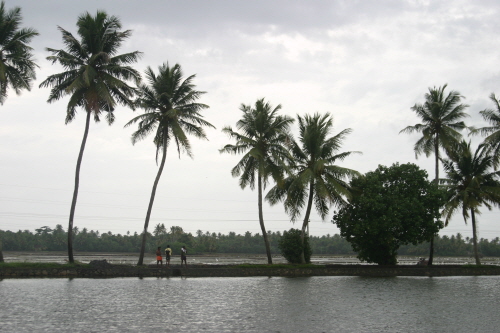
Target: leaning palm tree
x,y
171,112
471,182
95,79
492,132
262,136
314,176
17,67
441,122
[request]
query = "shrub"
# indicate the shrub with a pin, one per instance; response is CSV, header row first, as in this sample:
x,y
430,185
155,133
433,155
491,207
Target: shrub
x,y
290,246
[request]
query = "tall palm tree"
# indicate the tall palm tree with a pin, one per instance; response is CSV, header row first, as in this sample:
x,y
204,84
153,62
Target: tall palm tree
x,y
441,122
171,111
94,77
492,132
261,139
314,176
471,182
17,67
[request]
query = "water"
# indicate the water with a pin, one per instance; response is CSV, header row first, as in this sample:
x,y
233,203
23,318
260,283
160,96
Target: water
x,y
253,304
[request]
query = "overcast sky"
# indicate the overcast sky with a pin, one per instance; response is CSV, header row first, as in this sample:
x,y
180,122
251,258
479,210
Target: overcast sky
x,y
365,62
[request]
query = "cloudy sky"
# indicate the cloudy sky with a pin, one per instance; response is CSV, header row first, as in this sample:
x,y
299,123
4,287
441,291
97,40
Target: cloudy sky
x,y
365,62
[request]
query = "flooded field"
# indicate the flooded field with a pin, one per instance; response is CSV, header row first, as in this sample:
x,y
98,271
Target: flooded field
x,y
219,259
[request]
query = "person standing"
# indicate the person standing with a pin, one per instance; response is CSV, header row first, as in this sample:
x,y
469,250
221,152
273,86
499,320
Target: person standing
x,y
168,254
183,256
159,259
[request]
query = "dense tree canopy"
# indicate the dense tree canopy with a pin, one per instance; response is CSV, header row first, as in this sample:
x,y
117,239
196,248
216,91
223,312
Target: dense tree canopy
x,y
390,206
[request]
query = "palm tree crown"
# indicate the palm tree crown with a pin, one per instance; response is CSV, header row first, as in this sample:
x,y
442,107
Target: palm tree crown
x,y
171,111
314,175
263,134
470,183
492,132
94,73
440,122
261,138
17,67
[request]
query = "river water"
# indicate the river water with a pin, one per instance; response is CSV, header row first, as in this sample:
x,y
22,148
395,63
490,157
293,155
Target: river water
x,y
252,304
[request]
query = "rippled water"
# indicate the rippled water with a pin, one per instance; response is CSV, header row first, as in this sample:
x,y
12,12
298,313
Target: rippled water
x,y
255,304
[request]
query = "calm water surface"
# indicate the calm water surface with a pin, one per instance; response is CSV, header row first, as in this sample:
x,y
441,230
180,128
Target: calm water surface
x,y
254,304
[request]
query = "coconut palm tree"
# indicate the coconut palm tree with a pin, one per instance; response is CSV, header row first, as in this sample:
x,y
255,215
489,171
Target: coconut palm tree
x,y
441,122
471,182
17,67
314,176
94,78
171,112
261,139
492,132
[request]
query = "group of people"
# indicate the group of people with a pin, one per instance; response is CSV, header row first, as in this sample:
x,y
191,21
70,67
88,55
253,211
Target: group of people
x,y
168,254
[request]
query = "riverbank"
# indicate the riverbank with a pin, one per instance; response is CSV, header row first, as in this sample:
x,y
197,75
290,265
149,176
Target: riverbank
x,y
106,270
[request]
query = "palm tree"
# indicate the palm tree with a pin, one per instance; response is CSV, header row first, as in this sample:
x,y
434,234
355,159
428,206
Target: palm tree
x,y
171,111
314,176
94,78
262,136
493,131
471,182
17,68
441,122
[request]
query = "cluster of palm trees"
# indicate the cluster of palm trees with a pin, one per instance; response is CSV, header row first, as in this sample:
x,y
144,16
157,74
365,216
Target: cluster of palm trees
x,y
95,78
304,171
472,179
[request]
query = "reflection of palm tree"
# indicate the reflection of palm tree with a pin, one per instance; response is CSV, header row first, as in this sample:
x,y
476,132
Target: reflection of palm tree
x,y
314,175
17,68
171,112
470,183
440,125
262,136
493,131
94,78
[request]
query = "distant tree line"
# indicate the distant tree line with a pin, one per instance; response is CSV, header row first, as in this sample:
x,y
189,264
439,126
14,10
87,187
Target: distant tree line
x,y
48,239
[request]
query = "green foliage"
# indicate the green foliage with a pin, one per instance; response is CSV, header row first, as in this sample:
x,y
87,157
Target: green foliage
x,y
290,245
17,68
391,206
248,243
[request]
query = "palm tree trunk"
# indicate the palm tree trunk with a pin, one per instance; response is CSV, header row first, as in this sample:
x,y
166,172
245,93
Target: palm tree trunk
x,y
75,191
474,236
261,221
1,253
306,221
151,200
436,181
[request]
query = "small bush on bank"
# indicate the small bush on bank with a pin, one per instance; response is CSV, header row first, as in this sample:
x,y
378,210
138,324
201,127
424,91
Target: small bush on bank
x,y
290,246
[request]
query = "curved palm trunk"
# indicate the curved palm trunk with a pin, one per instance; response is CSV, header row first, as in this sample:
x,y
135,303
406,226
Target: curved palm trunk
x,y
261,221
306,221
436,180
151,200
474,236
75,191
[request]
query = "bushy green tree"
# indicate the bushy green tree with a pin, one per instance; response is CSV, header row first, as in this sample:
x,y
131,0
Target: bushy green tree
x,y
390,206
291,246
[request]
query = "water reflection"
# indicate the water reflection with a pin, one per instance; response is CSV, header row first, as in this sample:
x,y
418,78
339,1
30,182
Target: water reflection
x,y
256,304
